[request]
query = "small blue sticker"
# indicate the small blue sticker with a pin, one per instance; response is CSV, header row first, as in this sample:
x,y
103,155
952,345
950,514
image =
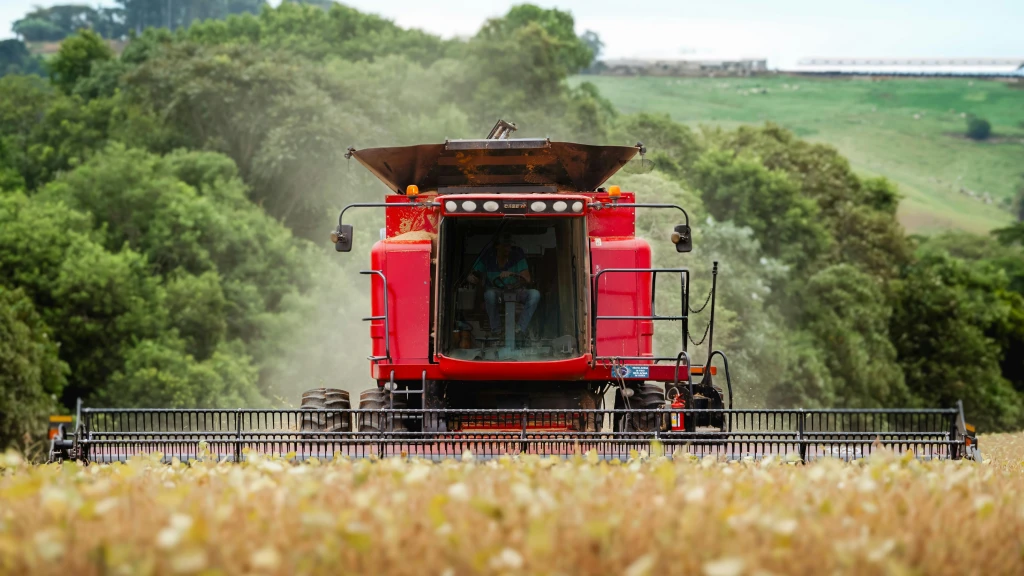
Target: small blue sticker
x,y
634,372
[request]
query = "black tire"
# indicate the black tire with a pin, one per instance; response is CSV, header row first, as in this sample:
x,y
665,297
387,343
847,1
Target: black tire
x,y
326,399
377,399
710,397
591,422
718,403
646,396
434,399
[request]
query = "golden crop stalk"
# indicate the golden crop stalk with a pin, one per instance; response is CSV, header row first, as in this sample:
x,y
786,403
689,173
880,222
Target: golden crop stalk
x,y
889,514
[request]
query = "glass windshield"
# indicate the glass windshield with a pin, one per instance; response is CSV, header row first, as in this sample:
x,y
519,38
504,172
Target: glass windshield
x,y
514,288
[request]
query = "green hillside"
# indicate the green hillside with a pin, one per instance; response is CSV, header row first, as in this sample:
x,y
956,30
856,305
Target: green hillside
x,y
910,131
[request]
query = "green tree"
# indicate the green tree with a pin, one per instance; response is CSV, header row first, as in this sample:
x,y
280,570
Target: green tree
x,y
194,270
589,114
101,302
1004,264
743,190
10,178
845,311
311,114
146,45
1010,235
340,32
978,128
76,58
94,300
322,4
187,212
224,268
674,147
16,59
1018,201
58,22
45,132
519,62
198,309
103,81
38,30
292,159
747,327
569,52
161,374
594,43
860,215
805,380
31,374
23,104
944,314
141,14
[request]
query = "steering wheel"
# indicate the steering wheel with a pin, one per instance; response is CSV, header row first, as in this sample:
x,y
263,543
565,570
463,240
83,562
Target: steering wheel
x,y
514,282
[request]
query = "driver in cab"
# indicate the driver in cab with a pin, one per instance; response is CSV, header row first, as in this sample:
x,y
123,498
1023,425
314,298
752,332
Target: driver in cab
x,y
503,269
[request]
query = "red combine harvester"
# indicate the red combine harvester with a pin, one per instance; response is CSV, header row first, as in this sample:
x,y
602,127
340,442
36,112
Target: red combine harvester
x,y
510,298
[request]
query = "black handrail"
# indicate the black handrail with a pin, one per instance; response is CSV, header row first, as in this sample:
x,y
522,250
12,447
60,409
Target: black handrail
x,y
725,364
689,373
614,204
386,318
412,204
711,322
684,280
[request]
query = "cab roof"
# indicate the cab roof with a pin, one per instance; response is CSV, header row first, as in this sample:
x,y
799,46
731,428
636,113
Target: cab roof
x,y
516,165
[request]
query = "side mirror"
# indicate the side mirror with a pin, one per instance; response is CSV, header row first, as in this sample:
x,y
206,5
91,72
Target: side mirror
x,y
682,239
343,238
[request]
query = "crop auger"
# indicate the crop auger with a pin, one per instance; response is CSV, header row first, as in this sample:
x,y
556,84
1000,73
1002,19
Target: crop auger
x,y
510,300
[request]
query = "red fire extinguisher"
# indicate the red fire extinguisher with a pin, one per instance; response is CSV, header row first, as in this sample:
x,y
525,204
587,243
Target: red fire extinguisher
x,y
678,403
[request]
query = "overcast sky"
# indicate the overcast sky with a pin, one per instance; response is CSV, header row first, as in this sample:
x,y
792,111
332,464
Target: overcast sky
x,y
781,30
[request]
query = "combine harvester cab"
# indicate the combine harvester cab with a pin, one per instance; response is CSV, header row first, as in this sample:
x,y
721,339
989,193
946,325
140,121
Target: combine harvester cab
x,y
511,303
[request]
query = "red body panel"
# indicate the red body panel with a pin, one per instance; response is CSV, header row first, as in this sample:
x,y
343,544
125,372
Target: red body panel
x,y
601,372
406,264
622,294
614,222
571,369
399,220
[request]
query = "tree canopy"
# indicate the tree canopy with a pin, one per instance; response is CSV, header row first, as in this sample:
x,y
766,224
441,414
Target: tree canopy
x,y
31,372
57,22
15,58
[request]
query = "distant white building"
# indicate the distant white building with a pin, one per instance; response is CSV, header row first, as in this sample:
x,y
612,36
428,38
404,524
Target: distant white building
x,y
684,67
911,66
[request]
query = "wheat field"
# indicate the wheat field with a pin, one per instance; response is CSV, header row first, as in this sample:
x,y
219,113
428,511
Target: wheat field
x,y
889,514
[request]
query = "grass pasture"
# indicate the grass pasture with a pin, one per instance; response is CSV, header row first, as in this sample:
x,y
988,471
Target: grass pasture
x,y
908,130
887,515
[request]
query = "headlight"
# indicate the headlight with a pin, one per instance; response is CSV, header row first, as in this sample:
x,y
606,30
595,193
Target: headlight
x,y
491,206
469,205
559,206
538,206
451,206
